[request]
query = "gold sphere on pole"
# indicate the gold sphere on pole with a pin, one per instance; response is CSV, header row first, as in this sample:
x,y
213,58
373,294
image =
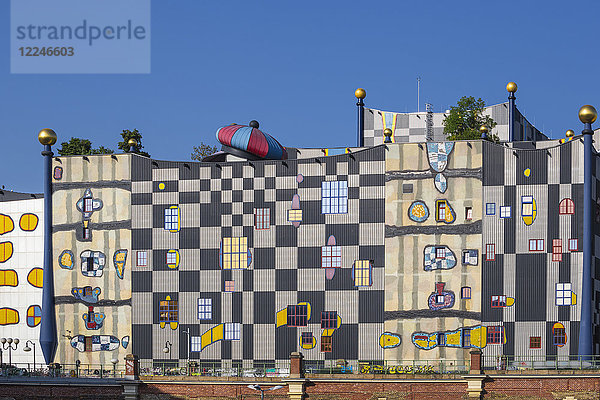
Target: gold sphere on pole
x,y
132,142
511,87
483,129
387,132
570,133
47,137
588,114
360,93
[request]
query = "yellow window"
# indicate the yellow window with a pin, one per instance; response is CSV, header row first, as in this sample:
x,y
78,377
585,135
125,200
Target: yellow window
x,y
28,222
6,251
36,277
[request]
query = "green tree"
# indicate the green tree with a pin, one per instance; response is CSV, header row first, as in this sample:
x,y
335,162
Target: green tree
x,y
204,150
78,146
134,134
465,119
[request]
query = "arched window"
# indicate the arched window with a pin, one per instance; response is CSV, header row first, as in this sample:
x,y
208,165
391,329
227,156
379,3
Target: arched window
x,y
566,206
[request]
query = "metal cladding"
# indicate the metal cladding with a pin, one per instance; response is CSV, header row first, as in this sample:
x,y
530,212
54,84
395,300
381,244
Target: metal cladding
x,y
253,141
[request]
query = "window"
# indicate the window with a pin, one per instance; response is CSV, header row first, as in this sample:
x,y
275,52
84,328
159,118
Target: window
x,y
494,334
89,263
469,213
564,295
556,250
234,253
172,219
470,257
142,259
465,292
326,344
505,212
232,331
440,210
407,188
297,315
334,197
362,273
440,252
498,301
490,252
466,338
86,233
34,316
262,218
559,335
573,245
328,319
171,258
168,310
204,308
490,209
527,206
566,207
88,205
294,216
536,244
229,286
195,343
307,338
331,256
535,342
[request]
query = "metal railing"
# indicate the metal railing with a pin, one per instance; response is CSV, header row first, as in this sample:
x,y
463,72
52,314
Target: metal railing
x,y
399,367
547,362
63,370
224,368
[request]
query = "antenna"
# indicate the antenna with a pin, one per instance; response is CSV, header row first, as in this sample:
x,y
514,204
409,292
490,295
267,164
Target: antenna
x,y
418,94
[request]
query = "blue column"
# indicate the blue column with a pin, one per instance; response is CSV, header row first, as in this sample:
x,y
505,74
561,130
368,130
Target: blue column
x,y
585,324
361,123
511,117
48,336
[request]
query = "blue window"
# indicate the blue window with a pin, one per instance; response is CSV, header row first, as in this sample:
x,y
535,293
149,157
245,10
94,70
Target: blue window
x,y
172,219
334,197
490,209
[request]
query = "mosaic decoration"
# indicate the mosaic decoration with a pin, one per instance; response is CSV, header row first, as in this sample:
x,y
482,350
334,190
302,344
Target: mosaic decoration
x,y
438,153
84,343
119,259
466,337
34,316
9,277
295,214
440,183
528,209
527,172
6,251
444,212
92,204
299,178
438,257
418,211
8,316
93,320
35,277
28,222
125,341
281,316
441,298
86,294
6,224
470,257
92,263
58,173
161,186
65,260
389,340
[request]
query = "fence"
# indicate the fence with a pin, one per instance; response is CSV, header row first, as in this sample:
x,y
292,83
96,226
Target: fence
x,y
63,370
224,368
548,362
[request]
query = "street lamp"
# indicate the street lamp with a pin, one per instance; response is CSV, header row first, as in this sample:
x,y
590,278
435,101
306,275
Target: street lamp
x,y
7,345
187,355
114,362
263,390
167,348
27,348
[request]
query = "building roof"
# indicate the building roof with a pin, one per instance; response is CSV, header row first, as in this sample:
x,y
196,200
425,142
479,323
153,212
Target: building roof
x,y
7,195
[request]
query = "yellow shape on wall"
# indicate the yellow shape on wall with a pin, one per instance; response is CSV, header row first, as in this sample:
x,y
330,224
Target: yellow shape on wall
x,y
9,278
28,222
36,277
8,316
6,251
212,335
527,172
6,224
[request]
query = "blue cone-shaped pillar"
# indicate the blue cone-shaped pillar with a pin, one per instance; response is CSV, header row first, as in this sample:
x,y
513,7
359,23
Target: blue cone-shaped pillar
x,y
48,336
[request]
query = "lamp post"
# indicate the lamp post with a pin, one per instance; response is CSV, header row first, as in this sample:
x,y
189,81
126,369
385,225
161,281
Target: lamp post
x,y
27,348
387,134
167,348
48,338
132,145
511,88
360,94
114,362
187,355
484,131
587,115
7,345
263,390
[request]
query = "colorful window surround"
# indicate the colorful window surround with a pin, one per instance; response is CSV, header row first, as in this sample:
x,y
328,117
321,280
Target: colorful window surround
x,y
329,319
362,273
566,207
262,218
505,212
294,215
334,197
34,316
172,259
331,256
172,219
556,250
498,301
490,252
490,209
465,292
536,244
564,294
527,206
204,308
559,335
494,334
234,253
168,312
142,258
326,344
535,342
88,205
297,315
307,340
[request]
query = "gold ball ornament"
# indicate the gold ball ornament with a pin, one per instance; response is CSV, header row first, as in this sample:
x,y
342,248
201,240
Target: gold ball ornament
x,y
47,137
483,129
132,142
570,133
588,114
511,87
360,93
387,132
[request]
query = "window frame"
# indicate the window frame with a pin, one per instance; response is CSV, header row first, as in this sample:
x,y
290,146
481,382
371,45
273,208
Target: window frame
x,y
557,250
498,301
328,319
490,208
537,245
234,253
306,338
559,336
440,210
362,275
490,248
297,315
141,258
231,331
576,241
526,200
331,256
468,213
505,212
171,308
204,309
171,219
535,342
229,286
334,197
465,293
326,344
262,218
563,294
566,206
88,205
495,334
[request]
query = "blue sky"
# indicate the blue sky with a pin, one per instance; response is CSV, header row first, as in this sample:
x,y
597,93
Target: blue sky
x,y
294,67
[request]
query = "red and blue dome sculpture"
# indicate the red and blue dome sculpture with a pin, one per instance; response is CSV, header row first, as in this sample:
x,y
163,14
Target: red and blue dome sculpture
x,y
251,140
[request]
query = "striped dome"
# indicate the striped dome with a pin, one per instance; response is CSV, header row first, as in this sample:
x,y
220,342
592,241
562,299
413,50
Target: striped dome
x,y
251,140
